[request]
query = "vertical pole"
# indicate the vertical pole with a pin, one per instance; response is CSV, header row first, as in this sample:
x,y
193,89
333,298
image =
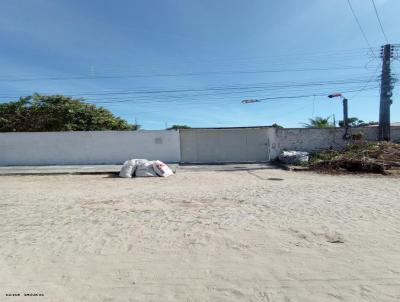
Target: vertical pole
x,y
345,119
345,113
136,123
386,93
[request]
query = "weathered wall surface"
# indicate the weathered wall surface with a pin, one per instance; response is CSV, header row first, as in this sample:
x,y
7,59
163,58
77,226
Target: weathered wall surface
x,y
92,147
304,139
395,134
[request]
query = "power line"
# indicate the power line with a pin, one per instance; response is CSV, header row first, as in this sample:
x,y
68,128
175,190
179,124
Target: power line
x,y
355,78
321,55
271,60
360,27
196,102
273,66
379,20
60,78
213,90
353,51
302,96
374,76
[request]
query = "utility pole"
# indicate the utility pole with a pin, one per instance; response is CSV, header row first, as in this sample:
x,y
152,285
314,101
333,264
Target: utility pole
x,y
345,113
386,93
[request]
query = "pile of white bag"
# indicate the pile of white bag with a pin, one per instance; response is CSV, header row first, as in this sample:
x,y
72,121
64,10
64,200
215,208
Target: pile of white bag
x,y
293,157
144,168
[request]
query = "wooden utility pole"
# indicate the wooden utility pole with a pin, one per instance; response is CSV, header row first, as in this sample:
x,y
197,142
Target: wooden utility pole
x,y
386,93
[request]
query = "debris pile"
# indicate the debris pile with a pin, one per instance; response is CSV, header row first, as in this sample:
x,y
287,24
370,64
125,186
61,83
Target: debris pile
x,y
367,157
294,157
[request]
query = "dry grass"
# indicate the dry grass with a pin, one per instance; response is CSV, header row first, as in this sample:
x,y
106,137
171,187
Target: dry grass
x,y
365,157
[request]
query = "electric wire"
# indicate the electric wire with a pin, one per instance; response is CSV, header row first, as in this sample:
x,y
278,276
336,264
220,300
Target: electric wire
x,y
190,101
374,76
240,88
125,72
60,78
360,27
380,22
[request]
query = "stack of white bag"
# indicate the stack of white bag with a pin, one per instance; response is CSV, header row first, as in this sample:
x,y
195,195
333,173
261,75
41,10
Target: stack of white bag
x,y
144,168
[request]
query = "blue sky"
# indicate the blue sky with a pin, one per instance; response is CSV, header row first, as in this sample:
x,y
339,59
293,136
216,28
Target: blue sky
x,y
165,62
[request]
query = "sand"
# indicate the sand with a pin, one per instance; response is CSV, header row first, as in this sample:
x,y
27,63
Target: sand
x,y
266,235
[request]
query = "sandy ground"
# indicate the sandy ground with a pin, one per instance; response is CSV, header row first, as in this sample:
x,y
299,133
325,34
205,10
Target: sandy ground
x,y
265,235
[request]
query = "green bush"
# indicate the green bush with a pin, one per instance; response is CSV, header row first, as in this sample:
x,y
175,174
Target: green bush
x,y
38,113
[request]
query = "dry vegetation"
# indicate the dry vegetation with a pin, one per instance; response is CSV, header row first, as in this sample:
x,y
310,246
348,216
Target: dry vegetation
x,y
369,157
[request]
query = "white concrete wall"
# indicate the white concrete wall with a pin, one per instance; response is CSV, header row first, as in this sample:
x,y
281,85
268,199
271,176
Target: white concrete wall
x,y
92,147
114,147
304,139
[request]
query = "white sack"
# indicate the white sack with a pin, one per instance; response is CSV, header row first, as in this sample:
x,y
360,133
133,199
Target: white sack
x,y
162,169
144,168
128,168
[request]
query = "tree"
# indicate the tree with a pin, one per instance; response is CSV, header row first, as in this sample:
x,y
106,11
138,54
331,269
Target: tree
x,y
177,127
39,113
319,122
277,126
355,122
